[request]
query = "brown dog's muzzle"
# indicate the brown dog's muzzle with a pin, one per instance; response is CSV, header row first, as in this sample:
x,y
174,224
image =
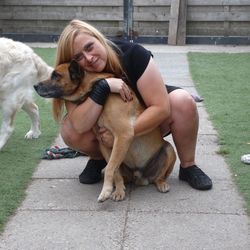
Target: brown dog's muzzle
x,y
48,91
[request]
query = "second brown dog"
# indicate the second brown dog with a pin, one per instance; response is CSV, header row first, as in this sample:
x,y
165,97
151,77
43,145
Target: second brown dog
x,y
145,159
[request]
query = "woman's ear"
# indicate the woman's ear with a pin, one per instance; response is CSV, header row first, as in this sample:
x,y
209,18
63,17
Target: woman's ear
x,y
75,72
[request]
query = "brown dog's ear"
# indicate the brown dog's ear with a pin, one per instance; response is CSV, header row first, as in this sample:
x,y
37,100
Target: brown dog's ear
x,y
75,72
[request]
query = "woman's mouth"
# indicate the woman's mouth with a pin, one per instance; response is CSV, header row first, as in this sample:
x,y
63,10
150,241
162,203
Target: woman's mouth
x,y
97,65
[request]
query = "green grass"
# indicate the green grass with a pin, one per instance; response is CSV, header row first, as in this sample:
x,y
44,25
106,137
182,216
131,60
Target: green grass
x,y
224,82
19,157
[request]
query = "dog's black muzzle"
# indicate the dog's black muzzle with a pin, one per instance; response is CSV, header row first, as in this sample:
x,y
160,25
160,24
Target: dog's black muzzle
x,y
47,91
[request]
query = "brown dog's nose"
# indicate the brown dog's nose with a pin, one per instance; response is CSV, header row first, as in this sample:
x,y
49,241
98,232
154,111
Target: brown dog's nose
x,y
35,87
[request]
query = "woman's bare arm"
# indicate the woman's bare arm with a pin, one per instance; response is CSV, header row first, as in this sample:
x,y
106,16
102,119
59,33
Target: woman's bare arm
x,y
155,96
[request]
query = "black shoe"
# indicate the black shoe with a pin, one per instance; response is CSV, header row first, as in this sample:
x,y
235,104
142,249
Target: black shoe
x,y
92,173
195,177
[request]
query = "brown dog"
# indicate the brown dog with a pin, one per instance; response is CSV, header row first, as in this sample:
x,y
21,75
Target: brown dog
x,y
147,158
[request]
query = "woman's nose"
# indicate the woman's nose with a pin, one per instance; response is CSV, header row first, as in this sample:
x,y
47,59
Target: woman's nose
x,y
88,57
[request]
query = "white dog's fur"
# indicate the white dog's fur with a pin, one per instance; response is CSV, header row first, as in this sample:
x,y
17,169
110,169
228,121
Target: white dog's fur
x,y
20,69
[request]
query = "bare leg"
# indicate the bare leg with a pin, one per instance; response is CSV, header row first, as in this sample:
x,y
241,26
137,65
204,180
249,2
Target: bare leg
x,y
85,142
183,124
88,144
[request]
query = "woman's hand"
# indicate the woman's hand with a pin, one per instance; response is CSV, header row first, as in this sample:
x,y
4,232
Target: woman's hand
x,y
105,137
117,85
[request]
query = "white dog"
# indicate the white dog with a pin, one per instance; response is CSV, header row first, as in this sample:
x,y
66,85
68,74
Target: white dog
x,y
20,69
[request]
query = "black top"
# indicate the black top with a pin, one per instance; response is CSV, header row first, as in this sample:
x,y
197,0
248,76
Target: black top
x,y
134,59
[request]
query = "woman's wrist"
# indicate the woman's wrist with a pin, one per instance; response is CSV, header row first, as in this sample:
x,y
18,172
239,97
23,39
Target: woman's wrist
x,y
100,92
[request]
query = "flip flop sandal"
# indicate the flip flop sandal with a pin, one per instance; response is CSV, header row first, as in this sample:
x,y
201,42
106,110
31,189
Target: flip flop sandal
x,y
245,159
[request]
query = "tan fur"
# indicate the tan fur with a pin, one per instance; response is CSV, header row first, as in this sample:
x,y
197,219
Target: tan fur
x,y
137,153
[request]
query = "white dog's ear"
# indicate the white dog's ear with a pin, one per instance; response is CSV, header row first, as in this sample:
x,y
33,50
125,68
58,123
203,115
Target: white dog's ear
x,y
75,72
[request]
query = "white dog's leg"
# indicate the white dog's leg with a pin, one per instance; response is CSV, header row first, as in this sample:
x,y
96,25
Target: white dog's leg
x,y
7,125
32,110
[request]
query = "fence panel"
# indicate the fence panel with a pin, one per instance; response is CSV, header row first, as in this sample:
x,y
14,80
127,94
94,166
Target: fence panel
x,y
149,21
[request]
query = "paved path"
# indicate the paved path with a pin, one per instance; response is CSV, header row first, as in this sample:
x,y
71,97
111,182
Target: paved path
x,y
60,213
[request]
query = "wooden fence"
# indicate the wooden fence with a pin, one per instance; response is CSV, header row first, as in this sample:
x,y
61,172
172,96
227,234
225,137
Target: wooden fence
x,y
152,21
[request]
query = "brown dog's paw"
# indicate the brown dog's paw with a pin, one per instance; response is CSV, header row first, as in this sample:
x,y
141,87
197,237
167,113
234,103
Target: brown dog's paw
x,y
118,195
162,186
105,194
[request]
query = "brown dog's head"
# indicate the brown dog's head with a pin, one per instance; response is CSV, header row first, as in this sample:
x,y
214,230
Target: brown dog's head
x,y
64,81
68,82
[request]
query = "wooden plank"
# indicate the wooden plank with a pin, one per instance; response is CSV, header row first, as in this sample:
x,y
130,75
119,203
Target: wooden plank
x,y
181,37
217,29
218,2
239,8
152,2
63,2
204,29
239,29
151,17
154,9
156,13
173,22
177,22
226,23
52,28
55,13
218,16
151,28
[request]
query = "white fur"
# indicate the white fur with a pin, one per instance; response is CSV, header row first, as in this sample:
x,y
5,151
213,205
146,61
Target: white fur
x,y
20,69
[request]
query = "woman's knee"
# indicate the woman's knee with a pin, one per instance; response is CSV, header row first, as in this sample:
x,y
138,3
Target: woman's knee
x,y
85,142
68,134
183,111
183,103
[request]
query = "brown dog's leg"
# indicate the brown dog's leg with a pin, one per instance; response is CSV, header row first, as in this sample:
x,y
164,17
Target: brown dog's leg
x,y
119,193
119,151
160,181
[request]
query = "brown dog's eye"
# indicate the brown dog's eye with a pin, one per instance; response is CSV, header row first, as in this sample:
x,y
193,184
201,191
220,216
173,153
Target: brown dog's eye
x,y
55,75
75,72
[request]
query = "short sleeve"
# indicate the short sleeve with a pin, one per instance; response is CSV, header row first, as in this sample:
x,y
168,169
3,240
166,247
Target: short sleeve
x,y
139,60
134,59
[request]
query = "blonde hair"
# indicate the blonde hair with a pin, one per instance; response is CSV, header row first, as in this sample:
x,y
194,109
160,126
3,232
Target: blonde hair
x,y
64,53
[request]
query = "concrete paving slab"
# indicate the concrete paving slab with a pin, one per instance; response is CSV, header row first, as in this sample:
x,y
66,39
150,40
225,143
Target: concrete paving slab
x,y
67,194
174,74
63,168
205,126
57,230
185,231
182,199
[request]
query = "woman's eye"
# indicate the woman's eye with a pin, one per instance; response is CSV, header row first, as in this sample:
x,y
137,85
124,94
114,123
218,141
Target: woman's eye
x,y
90,47
78,56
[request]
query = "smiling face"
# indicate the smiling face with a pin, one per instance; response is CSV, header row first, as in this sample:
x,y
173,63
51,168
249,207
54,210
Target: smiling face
x,y
90,54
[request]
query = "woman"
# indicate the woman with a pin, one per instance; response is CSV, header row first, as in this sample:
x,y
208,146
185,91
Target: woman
x,y
174,110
